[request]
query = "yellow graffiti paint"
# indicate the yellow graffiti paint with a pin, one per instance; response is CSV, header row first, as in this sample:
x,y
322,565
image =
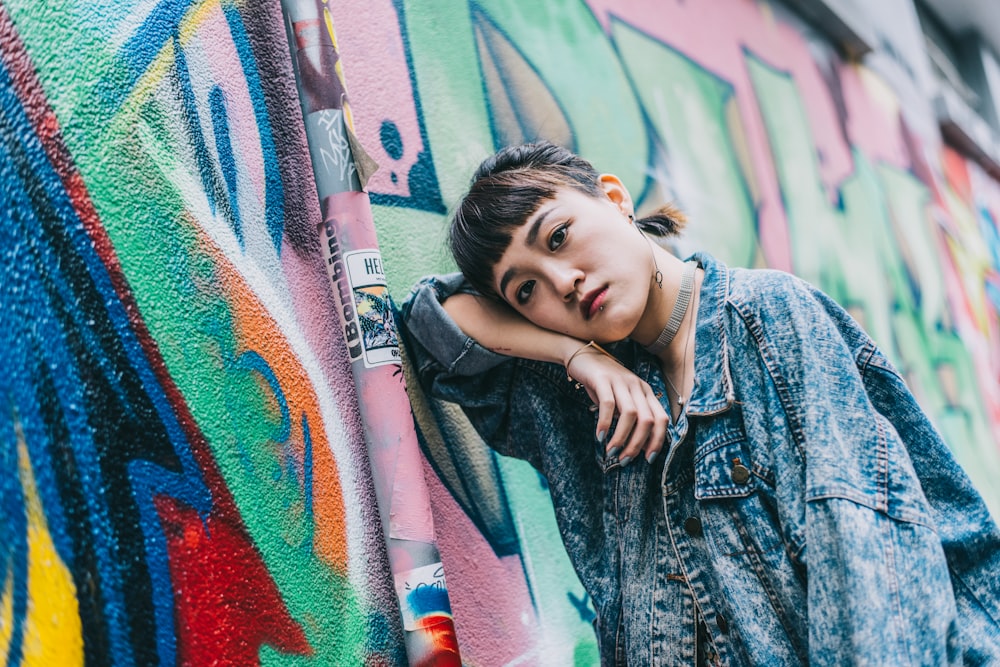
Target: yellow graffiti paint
x,y
6,615
53,633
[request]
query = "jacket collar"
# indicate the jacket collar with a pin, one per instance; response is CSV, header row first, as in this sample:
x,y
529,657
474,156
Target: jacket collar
x,y
713,385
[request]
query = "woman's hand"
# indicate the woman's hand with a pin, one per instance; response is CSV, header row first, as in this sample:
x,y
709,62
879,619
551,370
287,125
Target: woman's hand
x,y
642,421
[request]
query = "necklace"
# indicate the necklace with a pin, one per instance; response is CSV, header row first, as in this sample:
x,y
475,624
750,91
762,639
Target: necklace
x,y
678,312
680,398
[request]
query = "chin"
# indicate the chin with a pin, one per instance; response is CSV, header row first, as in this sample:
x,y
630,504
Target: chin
x,y
611,336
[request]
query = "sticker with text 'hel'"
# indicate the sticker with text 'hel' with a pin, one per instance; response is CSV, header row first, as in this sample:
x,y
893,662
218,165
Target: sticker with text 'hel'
x,y
371,301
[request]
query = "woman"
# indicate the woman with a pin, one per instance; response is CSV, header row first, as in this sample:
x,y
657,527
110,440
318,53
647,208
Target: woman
x,y
792,504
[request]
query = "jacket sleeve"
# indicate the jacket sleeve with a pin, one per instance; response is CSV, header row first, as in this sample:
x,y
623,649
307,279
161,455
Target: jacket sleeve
x,y
898,546
968,535
453,367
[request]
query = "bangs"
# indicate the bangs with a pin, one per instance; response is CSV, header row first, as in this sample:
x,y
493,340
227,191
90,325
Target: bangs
x,y
494,207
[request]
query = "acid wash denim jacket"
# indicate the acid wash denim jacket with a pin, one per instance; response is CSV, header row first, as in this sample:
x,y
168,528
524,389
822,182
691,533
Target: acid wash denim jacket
x,y
804,510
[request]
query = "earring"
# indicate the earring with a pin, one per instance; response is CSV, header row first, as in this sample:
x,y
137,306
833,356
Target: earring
x,y
657,274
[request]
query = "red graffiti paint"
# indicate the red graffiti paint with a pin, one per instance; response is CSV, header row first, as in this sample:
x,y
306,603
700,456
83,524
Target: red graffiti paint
x,y
225,603
439,632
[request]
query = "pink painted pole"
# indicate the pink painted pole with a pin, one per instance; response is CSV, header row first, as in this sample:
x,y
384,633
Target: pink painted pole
x,y
354,265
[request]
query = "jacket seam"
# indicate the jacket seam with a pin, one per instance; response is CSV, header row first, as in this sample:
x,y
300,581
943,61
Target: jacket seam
x,y
890,559
754,556
780,384
882,462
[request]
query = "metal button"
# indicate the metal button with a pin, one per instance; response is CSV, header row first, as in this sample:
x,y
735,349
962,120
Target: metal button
x,y
692,526
740,473
723,624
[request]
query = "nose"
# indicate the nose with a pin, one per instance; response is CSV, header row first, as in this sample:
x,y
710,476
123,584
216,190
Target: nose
x,y
565,280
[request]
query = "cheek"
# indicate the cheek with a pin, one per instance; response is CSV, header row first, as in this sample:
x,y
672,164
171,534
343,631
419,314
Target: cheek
x,y
549,319
547,316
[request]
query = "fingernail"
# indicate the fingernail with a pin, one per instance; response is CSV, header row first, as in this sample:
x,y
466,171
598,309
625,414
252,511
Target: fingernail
x,y
613,452
652,456
600,436
625,460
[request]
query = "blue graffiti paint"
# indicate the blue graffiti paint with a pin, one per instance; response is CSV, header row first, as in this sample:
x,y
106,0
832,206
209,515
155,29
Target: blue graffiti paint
x,y
13,536
209,182
252,361
425,192
391,139
274,194
84,388
428,600
224,148
307,482
582,606
32,352
139,51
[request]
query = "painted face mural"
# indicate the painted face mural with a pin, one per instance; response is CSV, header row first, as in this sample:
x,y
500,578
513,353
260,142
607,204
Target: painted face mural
x,y
185,478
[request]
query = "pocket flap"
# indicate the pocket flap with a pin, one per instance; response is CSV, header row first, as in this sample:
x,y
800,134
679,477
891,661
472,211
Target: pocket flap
x,y
723,469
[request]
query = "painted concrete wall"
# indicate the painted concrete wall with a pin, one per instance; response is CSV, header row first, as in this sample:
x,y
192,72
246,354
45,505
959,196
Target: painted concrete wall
x,y
184,474
184,477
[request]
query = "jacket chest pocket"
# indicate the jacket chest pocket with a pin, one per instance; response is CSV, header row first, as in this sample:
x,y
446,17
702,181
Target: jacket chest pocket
x,y
736,503
723,468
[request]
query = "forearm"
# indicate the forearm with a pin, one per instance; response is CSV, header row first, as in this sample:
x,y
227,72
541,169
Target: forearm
x,y
615,390
500,329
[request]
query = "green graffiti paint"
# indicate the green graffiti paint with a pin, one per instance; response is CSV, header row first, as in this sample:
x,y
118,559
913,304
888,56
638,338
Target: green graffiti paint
x,y
812,223
688,107
576,63
878,256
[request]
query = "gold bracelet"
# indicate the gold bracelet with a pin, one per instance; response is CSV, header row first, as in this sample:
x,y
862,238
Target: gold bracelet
x,y
581,349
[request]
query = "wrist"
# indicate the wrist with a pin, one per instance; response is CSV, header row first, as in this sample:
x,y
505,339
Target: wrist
x,y
586,348
581,349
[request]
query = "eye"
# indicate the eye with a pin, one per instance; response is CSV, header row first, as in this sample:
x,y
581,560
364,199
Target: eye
x,y
524,291
558,236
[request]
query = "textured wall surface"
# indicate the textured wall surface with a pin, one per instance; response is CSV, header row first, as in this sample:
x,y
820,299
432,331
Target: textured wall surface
x,y
184,476
183,479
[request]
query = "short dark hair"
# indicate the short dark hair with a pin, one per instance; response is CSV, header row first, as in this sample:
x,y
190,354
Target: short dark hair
x,y
507,189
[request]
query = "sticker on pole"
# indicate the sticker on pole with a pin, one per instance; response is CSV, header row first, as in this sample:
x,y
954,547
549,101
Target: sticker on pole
x,y
423,597
371,301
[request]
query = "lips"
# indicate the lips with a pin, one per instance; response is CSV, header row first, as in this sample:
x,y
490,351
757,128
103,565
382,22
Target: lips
x,y
591,303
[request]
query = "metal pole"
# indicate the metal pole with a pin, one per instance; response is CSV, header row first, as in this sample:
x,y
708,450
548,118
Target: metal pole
x,y
354,266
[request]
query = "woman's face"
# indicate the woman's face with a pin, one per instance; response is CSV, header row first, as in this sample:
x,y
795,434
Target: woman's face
x,y
579,266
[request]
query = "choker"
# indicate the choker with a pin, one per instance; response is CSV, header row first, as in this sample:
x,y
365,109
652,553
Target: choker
x,y
678,312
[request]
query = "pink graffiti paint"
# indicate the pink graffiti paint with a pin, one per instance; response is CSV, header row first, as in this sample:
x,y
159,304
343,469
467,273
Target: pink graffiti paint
x,y
212,54
484,640
375,36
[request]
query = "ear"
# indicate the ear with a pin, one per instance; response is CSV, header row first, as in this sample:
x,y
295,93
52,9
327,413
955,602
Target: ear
x,y
616,191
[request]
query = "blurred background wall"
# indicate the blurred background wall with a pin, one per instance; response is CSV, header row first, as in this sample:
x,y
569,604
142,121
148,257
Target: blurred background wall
x,y
184,473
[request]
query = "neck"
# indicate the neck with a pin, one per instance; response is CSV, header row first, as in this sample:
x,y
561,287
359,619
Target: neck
x,y
660,304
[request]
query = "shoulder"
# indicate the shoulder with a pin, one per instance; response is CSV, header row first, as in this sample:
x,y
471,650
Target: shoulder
x,y
785,312
765,292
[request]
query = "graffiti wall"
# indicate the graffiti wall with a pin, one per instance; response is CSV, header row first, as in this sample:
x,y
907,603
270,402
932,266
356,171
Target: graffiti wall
x,y
185,477
184,481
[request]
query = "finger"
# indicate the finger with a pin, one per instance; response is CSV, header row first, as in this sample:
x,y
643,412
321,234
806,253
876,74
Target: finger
x,y
643,426
627,414
658,433
605,399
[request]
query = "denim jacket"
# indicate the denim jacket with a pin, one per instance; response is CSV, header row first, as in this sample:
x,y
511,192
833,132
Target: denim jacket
x,y
804,510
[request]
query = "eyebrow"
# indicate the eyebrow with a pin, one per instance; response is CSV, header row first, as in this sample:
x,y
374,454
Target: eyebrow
x,y
507,276
529,240
535,226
